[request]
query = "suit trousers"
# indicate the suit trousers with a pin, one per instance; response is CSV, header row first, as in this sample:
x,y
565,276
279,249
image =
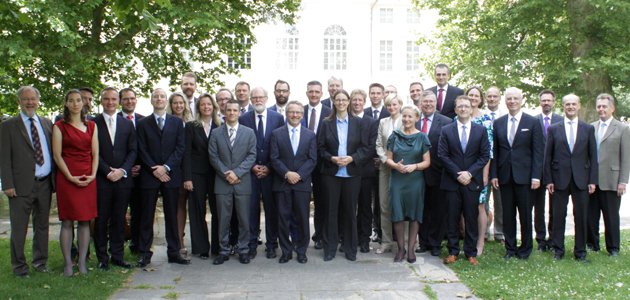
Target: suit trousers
x,y
293,210
463,201
560,199
517,197
169,203
21,208
608,203
199,198
364,211
109,226
342,194
386,209
226,204
539,216
261,190
435,215
319,205
135,211
498,214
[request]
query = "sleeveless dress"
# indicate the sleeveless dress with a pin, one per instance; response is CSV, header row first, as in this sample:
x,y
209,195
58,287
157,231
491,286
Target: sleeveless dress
x,y
407,190
76,203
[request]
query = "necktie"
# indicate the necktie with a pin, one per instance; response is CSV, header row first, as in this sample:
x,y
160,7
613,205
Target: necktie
x,y
546,125
39,156
260,132
493,116
111,129
424,125
376,114
571,136
311,122
130,117
600,135
464,139
294,140
512,131
440,99
161,123
232,136
243,111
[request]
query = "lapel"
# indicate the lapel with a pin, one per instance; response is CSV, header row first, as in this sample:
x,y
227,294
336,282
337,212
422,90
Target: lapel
x,y
226,136
201,132
285,139
154,126
333,128
565,138
22,128
609,131
458,141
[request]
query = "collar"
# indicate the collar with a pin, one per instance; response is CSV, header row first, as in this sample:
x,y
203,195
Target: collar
x,y
25,117
518,116
264,114
430,117
379,108
316,107
344,120
467,124
566,120
360,115
229,127
607,122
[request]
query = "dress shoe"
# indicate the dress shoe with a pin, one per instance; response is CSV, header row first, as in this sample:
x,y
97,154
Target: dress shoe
x,y
143,262
473,261
23,275
351,257
318,245
614,253
542,247
271,253
243,258
252,253
508,256
41,268
557,256
592,248
103,266
450,259
204,256
411,258
422,249
220,259
435,252
285,258
121,263
301,258
178,260
383,249
582,259
328,257
400,255
364,249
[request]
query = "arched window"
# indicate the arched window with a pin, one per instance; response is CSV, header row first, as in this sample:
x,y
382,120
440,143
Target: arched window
x,y
335,48
287,47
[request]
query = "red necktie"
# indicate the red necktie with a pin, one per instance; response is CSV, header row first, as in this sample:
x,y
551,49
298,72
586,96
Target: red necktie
x,y
424,125
39,155
129,117
440,99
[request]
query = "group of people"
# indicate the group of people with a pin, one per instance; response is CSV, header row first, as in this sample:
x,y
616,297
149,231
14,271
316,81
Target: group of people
x,y
433,164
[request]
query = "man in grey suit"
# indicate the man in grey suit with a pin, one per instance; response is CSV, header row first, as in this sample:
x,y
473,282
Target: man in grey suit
x,y
232,151
26,167
613,145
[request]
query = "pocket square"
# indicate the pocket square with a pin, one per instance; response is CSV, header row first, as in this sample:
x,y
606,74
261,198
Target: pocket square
x,y
525,129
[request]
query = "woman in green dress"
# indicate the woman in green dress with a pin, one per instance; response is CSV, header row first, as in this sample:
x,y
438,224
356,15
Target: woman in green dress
x,y
407,156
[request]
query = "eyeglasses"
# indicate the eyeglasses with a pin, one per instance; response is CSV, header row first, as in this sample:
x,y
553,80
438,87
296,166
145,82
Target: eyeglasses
x,y
294,112
463,107
258,98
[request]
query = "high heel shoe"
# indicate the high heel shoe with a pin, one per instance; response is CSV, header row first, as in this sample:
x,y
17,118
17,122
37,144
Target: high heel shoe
x,y
411,258
400,255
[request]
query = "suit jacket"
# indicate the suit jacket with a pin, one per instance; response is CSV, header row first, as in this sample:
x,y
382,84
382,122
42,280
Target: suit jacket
x,y
284,116
136,117
325,112
385,129
523,160
327,102
273,121
555,118
328,145
120,155
196,156
561,164
239,158
370,131
384,113
283,160
17,155
161,147
448,104
473,160
434,172
614,155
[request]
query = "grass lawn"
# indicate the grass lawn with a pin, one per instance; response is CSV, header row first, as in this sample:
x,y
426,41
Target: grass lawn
x,y
96,284
540,277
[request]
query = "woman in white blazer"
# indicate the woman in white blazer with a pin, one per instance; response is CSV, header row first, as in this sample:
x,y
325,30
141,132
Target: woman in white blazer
x,y
385,129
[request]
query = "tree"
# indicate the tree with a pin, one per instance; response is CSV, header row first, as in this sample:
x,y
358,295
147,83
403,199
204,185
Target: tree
x,y
63,44
570,46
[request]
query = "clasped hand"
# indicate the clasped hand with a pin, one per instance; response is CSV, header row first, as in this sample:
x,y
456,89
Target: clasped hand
x,y
160,173
402,168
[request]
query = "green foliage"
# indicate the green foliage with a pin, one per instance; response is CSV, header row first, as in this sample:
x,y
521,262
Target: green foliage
x,y
63,44
566,45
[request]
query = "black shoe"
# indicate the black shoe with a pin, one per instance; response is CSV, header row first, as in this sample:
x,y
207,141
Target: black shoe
x,y
351,257
204,256
508,256
41,268
103,266
23,275
243,258
233,250
557,257
435,252
285,258
143,262
614,253
582,259
592,248
252,253
364,249
301,258
121,263
542,247
318,245
220,259
422,249
178,260
271,253
328,257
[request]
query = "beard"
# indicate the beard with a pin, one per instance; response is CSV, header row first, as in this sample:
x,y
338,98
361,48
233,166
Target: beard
x,y
259,108
282,100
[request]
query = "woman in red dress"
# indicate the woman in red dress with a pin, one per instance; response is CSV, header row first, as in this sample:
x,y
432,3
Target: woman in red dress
x,y
75,150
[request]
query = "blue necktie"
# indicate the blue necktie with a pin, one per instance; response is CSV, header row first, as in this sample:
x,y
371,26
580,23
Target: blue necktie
x,y
294,140
464,139
260,130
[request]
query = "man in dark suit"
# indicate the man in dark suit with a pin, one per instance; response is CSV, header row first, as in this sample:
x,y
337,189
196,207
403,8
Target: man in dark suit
x,y
516,170
613,140
377,110
435,208
232,150
570,169
293,156
161,147
117,155
241,91
369,172
464,151
334,85
546,118
263,121
314,113
445,92
128,103
26,168
281,91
